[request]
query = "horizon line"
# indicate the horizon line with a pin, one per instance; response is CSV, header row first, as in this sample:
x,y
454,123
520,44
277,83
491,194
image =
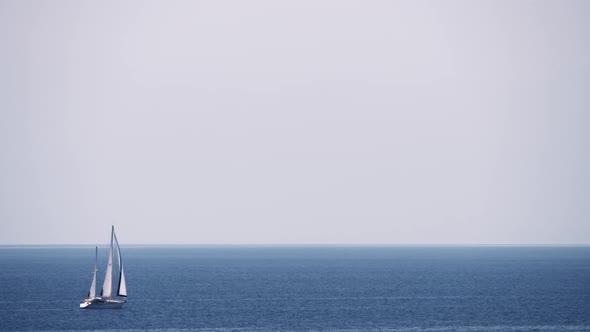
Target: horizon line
x,y
305,245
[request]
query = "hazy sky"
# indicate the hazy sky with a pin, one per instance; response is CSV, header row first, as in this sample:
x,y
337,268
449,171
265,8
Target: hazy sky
x,y
367,122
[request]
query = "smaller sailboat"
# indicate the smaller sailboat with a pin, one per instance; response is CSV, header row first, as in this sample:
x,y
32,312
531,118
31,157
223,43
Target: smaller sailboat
x,y
106,299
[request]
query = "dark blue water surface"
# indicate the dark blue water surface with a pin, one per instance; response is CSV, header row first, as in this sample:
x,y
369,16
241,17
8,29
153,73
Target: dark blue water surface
x,y
303,288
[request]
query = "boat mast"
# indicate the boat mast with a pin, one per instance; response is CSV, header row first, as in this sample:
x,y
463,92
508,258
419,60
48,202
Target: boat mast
x,y
92,292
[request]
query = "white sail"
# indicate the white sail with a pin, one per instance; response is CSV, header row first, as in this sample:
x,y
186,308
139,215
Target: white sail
x,y
122,286
92,292
107,286
122,289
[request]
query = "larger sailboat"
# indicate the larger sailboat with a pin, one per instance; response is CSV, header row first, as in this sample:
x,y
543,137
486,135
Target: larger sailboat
x,y
106,299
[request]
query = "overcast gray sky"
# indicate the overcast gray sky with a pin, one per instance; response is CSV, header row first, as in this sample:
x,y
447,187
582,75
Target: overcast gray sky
x,y
283,122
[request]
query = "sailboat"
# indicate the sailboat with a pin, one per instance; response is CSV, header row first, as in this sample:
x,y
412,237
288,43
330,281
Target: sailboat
x,y
106,299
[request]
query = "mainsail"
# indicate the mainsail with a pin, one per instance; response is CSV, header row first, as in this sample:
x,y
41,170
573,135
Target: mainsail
x,y
107,286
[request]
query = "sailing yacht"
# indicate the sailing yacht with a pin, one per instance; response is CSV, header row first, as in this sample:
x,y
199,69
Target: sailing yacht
x,y
106,299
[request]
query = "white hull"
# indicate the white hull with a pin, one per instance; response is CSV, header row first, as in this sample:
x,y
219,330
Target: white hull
x,y
98,303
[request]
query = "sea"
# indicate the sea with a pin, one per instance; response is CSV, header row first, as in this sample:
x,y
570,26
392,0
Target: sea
x,y
302,288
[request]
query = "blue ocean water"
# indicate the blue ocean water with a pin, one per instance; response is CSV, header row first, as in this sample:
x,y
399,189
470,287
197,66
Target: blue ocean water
x,y
303,289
